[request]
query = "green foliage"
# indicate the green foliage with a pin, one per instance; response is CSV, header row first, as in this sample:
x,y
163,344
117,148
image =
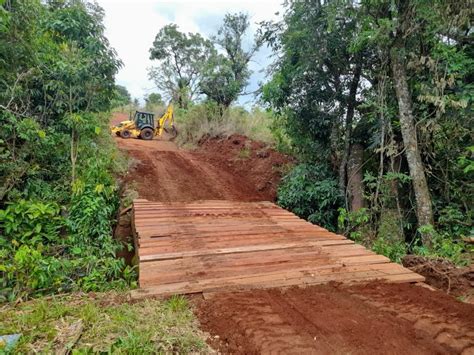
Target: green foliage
x,y
320,45
180,58
312,193
394,250
122,96
225,76
46,249
358,226
466,161
312,75
29,222
152,100
190,65
58,191
352,224
444,246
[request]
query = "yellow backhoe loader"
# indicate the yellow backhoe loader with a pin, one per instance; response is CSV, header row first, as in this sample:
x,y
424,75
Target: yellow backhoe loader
x,y
144,126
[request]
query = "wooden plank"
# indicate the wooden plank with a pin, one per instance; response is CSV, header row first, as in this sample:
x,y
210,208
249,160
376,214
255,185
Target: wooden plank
x,y
303,275
154,235
331,248
316,265
214,245
241,249
299,277
266,257
239,235
264,222
175,244
223,229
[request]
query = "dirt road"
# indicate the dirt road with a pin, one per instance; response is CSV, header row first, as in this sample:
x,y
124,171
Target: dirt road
x,y
326,319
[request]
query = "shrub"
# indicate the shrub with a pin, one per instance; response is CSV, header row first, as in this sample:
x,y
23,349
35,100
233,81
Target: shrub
x,y
312,193
206,120
45,248
443,245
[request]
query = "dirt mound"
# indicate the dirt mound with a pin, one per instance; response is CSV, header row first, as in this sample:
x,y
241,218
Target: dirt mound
x,y
253,162
162,172
444,275
337,319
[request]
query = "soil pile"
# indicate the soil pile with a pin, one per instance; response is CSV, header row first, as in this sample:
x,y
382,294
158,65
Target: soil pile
x,y
162,172
252,162
444,275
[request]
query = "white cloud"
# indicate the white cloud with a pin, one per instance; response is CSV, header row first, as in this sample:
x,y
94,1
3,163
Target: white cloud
x,y
131,27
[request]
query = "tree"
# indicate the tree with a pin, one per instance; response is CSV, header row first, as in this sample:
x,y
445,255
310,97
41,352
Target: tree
x,y
409,30
57,74
180,58
318,77
377,93
153,99
122,96
226,75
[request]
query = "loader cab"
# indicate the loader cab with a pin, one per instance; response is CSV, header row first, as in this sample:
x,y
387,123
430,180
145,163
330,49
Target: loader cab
x,y
144,120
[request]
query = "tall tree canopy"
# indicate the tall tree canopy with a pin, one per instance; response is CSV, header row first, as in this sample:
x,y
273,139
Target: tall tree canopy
x,y
368,91
226,74
180,58
122,96
153,99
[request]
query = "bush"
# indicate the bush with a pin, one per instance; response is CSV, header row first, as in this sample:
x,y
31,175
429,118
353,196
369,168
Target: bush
x,y
311,192
206,120
443,245
47,249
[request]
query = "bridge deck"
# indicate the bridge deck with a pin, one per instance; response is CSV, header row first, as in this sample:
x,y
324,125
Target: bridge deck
x,y
215,245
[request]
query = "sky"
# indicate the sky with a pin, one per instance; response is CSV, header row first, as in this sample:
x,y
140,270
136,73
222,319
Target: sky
x,y
131,27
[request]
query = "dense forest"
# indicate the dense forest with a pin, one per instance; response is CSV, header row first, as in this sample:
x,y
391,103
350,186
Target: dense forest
x,y
372,98
377,99
58,193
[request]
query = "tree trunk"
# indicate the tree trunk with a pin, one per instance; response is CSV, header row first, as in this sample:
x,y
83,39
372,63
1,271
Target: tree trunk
x,y
424,210
351,102
355,183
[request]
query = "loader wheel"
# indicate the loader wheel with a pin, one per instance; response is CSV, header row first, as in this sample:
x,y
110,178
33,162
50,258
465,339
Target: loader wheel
x,y
147,134
125,134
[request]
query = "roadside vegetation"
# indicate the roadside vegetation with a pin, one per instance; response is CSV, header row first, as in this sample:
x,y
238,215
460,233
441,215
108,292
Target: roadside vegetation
x,y
103,323
60,278
376,99
58,194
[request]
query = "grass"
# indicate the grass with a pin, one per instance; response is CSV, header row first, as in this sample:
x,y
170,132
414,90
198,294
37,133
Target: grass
x,y
103,323
245,153
201,120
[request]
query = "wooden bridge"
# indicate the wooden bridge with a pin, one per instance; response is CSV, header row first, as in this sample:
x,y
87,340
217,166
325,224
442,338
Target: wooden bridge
x,y
209,246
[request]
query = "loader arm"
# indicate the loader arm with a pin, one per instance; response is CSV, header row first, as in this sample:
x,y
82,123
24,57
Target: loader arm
x,y
166,118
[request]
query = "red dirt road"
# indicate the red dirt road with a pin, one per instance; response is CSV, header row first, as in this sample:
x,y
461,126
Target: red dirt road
x,y
370,318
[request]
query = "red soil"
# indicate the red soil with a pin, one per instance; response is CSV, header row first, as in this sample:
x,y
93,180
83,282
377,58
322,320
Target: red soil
x,y
374,318
252,162
215,171
360,319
